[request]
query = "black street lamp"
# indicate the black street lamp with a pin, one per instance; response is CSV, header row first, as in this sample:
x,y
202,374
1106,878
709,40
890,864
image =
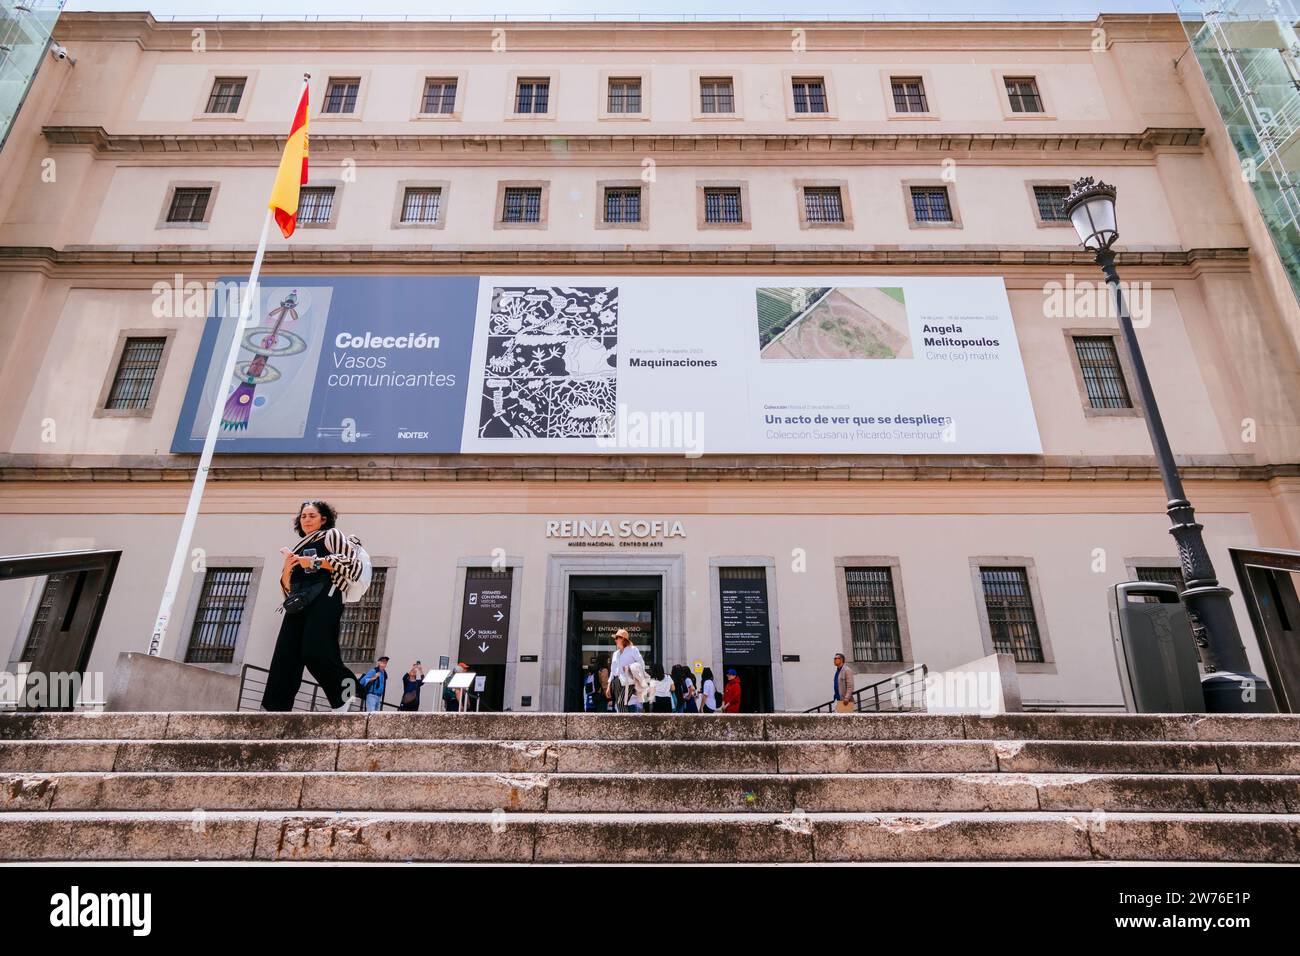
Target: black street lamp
x,y
1228,684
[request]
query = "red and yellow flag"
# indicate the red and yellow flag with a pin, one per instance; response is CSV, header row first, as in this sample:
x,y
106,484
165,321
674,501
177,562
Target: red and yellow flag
x,y
293,171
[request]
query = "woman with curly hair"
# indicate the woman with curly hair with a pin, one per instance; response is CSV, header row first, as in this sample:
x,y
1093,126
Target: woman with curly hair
x,y
316,571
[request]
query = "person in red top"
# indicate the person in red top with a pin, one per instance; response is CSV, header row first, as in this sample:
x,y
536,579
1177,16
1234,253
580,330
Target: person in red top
x,y
731,694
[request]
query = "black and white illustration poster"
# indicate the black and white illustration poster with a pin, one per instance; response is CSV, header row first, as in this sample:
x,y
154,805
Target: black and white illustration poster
x,y
551,365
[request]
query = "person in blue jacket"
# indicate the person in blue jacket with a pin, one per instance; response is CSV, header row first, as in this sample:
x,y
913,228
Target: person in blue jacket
x,y
373,684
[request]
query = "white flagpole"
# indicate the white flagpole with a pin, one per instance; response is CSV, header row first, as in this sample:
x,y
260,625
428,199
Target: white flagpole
x,y
209,445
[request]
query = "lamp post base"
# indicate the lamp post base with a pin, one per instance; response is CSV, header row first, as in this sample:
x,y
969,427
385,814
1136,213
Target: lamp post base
x,y
1229,693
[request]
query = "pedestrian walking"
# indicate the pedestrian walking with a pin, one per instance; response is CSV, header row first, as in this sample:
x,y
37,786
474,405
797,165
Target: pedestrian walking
x,y
708,692
412,681
373,684
625,668
731,693
663,693
315,573
843,700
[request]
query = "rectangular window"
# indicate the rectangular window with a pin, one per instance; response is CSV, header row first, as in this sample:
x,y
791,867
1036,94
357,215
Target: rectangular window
x,y
420,204
722,204
136,371
220,612
315,204
873,615
623,204
1022,91
1172,576
532,96
36,633
809,95
625,96
1010,606
717,96
909,94
1051,203
226,94
823,204
930,204
189,205
439,96
341,96
522,204
1102,376
359,626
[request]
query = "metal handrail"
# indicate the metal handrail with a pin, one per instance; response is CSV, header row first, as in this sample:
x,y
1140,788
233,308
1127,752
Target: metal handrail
x,y
869,699
310,696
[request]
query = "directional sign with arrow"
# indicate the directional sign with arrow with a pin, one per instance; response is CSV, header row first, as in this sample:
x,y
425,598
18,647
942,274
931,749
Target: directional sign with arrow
x,y
485,617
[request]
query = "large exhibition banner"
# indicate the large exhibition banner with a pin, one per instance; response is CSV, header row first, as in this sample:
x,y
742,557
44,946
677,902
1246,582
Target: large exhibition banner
x,y
635,365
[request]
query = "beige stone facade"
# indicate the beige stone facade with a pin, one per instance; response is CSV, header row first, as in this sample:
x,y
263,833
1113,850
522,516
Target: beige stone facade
x,y
99,149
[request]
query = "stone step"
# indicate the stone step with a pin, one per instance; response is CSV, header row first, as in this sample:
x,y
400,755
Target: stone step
x,y
647,757
772,727
649,838
662,793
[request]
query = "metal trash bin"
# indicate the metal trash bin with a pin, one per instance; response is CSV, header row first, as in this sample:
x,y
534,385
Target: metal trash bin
x,y
1155,652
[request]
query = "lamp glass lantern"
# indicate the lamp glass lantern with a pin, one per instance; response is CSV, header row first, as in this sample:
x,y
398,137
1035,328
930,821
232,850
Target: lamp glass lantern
x,y
1091,208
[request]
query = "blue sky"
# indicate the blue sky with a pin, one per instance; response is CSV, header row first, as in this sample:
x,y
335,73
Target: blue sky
x,y
776,9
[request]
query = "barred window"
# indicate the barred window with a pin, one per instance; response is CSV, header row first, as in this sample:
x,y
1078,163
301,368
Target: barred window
x,y
1051,203
421,204
341,95
227,92
722,204
136,371
36,633
823,204
439,96
930,204
189,204
220,612
623,204
1022,91
717,95
625,96
873,614
359,626
1102,376
909,94
809,95
532,96
1010,606
522,204
1172,576
315,205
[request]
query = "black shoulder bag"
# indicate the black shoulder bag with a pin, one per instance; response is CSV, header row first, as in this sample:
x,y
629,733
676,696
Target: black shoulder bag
x,y
300,599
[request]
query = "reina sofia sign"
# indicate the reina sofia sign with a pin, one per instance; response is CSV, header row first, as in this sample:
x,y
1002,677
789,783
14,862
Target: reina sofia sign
x,y
627,528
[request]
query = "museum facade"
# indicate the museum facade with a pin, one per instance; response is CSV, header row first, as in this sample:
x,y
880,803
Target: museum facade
x,y
766,341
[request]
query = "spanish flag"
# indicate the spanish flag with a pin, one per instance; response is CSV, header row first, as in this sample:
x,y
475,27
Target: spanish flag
x,y
293,171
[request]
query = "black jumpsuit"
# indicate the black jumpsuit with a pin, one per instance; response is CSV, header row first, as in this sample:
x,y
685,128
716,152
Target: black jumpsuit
x,y
309,639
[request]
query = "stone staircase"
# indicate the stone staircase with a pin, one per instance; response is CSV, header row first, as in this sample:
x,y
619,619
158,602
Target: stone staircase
x,y
642,788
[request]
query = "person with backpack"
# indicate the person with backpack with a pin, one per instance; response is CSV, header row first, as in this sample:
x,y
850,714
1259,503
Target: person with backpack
x,y
373,684
317,571
710,699
688,698
626,672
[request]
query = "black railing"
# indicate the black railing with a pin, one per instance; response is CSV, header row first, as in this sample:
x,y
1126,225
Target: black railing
x,y
904,690
1062,707
252,683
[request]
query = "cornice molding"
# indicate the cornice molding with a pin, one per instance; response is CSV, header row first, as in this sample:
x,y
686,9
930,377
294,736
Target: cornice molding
x,y
402,147
571,36
623,256
572,468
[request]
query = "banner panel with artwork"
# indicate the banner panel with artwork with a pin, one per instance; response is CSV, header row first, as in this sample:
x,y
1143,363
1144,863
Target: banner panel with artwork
x,y
636,365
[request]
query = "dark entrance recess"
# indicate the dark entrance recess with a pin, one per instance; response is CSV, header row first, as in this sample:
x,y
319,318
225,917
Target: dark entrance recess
x,y
76,590
598,606
1268,583
746,636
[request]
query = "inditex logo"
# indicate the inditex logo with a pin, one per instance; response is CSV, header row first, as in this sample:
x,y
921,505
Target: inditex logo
x,y
76,909
406,433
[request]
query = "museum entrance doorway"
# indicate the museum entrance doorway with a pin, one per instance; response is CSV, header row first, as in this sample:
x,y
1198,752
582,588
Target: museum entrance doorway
x,y
599,605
